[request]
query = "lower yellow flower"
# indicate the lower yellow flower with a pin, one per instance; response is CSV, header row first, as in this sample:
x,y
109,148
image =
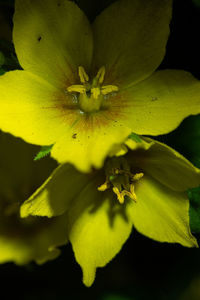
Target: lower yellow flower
x,y
24,240
142,184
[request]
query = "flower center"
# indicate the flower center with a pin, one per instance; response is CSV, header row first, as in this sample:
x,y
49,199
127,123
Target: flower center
x,y
91,94
120,179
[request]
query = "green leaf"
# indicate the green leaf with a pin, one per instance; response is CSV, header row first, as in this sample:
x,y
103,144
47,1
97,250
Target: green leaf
x,y
133,136
194,196
45,150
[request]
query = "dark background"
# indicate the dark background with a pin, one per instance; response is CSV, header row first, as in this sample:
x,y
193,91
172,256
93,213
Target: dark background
x,y
144,269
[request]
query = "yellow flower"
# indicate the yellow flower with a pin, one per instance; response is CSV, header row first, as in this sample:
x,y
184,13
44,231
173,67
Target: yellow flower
x,y
144,188
24,240
85,87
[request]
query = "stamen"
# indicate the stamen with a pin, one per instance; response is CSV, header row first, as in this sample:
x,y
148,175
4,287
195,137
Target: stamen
x,y
126,193
78,88
137,176
107,89
84,78
120,178
132,191
117,171
120,196
95,92
100,75
104,186
91,98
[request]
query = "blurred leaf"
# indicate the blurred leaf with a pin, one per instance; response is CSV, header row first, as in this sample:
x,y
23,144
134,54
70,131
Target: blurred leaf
x,y
45,150
194,196
191,138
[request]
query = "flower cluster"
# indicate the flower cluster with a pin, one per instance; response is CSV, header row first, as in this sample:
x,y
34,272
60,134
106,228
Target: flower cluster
x,y
85,88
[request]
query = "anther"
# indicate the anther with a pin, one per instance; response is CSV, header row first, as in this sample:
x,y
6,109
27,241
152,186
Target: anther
x,y
104,186
78,88
137,176
84,78
132,192
117,171
100,75
120,196
107,89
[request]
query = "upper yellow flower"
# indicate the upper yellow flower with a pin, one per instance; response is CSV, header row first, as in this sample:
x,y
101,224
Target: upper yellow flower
x,y
86,87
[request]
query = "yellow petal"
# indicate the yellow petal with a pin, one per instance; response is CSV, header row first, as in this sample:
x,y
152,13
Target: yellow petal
x,y
161,214
158,104
130,37
98,228
54,197
29,108
52,38
169,167
87,148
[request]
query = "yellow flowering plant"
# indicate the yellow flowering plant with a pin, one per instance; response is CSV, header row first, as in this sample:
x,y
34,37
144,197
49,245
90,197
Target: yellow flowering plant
x,y
141,185
82,92
85,87
30,239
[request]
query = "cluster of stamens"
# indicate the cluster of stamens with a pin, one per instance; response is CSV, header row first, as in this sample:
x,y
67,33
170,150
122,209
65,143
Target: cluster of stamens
x,y
91,90
121,180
